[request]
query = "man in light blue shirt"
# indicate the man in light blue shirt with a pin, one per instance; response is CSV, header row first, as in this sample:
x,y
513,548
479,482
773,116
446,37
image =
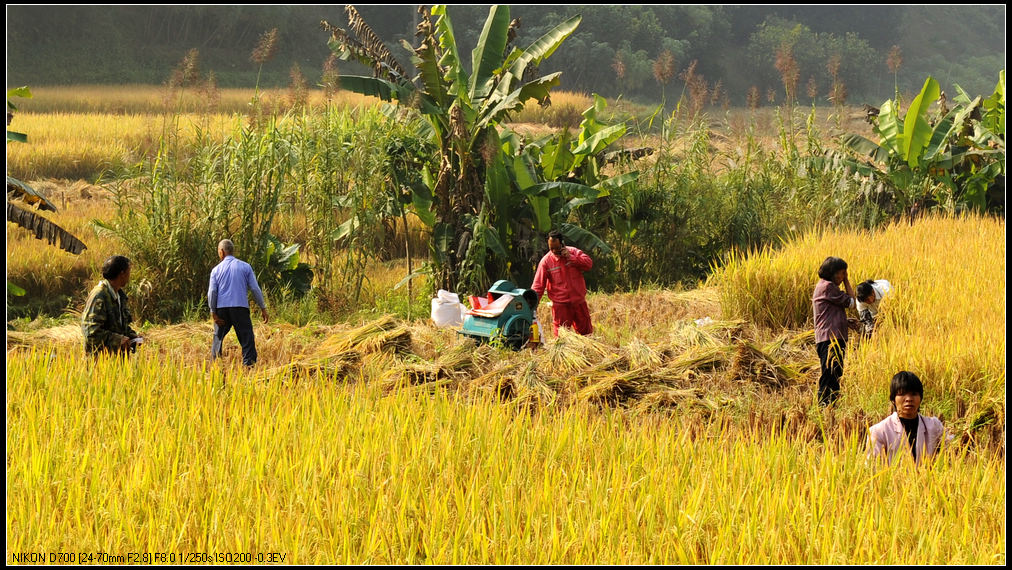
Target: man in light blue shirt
x,y
227,298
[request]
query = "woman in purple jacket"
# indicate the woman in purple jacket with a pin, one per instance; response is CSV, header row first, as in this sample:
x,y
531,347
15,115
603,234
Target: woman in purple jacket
x,y
829,306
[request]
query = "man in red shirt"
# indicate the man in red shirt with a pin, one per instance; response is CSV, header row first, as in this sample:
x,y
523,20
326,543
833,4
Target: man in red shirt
x,y
560,272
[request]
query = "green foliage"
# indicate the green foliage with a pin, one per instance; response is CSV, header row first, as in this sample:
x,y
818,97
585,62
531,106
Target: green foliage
x,y
284,270
950,158
956,44
463,111
187,200
812,51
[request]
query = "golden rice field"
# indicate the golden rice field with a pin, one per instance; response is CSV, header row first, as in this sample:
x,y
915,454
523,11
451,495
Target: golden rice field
x,y
80,132
945,319
657,440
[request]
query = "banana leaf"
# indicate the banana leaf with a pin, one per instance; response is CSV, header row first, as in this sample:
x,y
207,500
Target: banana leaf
x,y
866,147
372,86
487,55
455,74
890,128
20,190
544,46
430,74
916,129
947,128
583,239
44,229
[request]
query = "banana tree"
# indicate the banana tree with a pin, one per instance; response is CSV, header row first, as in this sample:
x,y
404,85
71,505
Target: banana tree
x,y
928,158
23,200
463,110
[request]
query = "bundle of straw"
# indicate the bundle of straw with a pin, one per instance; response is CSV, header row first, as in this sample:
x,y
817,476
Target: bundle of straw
x,y
753,364
701,358
530,386
383,334
63,335
615,387
338,365
572,352
668,398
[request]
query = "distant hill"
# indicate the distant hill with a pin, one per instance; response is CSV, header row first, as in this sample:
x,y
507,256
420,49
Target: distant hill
x,y
613,52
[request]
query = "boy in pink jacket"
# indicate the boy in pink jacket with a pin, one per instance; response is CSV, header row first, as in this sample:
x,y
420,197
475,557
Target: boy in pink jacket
x,y
906,430
560,273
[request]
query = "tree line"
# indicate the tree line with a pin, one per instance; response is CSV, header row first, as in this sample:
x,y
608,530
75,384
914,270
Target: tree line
x,y
859,53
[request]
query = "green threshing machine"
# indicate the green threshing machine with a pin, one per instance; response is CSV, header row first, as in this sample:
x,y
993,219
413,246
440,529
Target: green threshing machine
x,y
505,314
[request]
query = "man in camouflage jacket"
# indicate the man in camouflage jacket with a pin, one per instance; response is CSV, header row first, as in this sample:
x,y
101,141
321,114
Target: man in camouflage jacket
x,y
106,319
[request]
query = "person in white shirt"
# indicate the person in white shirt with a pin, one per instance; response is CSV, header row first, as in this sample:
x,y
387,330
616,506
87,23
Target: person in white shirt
x,y
869,296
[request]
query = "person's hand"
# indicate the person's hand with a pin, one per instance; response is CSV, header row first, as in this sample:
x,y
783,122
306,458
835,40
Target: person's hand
x,y
263,313
563,253
125,343
217,320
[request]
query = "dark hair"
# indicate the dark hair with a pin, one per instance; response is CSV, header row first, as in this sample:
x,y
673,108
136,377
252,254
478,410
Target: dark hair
x,y
830,266
115,266
905,383
864,289
556,234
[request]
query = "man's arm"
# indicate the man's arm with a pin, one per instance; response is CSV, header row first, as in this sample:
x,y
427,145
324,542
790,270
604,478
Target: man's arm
x,y
540,280
212,294
212,300
258,295
580,260
128,318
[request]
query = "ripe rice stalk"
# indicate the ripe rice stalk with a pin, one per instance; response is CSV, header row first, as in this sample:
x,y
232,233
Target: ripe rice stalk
x,y
669,377
688,333
16,339
560,358
64,335
668,398
397,341
458,358
492,380
803,338
336,366
594,349
482,356
421,373
609,364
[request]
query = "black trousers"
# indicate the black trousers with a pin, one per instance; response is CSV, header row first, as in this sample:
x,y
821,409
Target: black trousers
x,y
831,353
239,318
